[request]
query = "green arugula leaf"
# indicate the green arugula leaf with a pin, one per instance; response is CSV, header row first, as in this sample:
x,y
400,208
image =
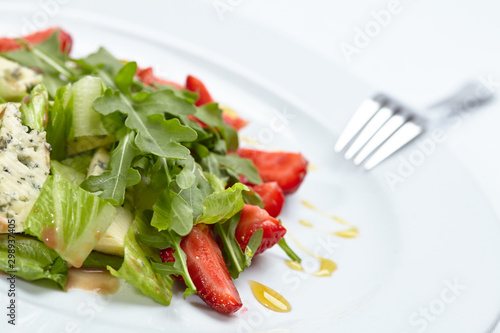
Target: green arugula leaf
x,y
156,135
163,101
137,266
111,184
179,266
235,258
98,259
32,259
34,111
289,252
220,206
172,212
48,59
241,166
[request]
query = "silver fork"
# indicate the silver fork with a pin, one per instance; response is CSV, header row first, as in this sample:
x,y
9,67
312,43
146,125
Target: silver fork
x,y
381,125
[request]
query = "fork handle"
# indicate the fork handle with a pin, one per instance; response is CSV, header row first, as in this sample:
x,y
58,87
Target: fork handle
x,y
471,96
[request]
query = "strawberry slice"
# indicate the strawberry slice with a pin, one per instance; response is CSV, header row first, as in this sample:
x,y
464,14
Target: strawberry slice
x,y
10,44
195,85
229,117
287,169
208,270
253,218
148,78
272,197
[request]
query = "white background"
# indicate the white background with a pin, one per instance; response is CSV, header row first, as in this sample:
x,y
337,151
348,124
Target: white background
x,y
425,51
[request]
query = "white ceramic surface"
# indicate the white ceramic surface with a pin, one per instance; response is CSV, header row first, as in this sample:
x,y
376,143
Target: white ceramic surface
x,y
418,240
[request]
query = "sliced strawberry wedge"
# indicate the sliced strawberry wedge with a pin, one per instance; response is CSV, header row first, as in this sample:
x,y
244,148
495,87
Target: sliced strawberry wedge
x,y
208,270
287,169
272,197
148,78
253,218
10,44
195,85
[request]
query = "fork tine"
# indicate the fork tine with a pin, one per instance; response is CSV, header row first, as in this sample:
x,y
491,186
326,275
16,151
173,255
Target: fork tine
x,y
373,125
364,113
391,126
409,131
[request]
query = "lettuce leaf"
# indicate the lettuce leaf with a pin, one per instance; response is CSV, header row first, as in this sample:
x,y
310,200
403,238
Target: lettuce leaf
x,y
137,268
86,121
68,219
34,109
32,260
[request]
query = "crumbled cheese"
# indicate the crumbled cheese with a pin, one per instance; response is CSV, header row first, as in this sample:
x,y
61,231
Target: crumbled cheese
x,y
16,80
99,162
24,167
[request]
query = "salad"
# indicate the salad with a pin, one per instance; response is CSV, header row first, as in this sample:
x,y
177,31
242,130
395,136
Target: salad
x,y
103,164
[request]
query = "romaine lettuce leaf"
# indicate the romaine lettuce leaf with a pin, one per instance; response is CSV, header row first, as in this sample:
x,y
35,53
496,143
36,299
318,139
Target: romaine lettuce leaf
x,y
69,219
86,121
32,260
35,107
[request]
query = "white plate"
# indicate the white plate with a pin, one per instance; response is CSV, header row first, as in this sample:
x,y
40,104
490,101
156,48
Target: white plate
x,y
431,232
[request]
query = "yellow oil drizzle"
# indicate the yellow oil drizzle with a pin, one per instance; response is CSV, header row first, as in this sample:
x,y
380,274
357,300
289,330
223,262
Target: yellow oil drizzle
x,y
311,167
270,298
249,140
306,223
326,268
294,265
352,232
333,217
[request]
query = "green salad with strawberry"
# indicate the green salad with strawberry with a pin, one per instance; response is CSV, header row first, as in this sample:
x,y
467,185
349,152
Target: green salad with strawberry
x,y
103,164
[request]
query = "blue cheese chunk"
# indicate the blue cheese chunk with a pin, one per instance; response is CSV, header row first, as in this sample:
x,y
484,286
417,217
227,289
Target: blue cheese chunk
x,y
16,80
24,167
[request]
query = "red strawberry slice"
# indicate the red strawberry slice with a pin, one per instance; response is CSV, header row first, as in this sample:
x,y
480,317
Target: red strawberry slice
x,y
10,44
272,197
253,218
287,169
148,78
208,270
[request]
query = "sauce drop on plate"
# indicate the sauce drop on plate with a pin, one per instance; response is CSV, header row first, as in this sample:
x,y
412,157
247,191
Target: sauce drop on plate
x,y
270,298
94,280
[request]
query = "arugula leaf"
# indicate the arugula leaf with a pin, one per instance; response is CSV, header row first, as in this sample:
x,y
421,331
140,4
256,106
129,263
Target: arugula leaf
x,y
137,268
179,266
236,259
156,135
172,212
104,60
98,259
220,206
48,59
69,219
34,111
111,184
289,252
32,259
164,101
241,166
